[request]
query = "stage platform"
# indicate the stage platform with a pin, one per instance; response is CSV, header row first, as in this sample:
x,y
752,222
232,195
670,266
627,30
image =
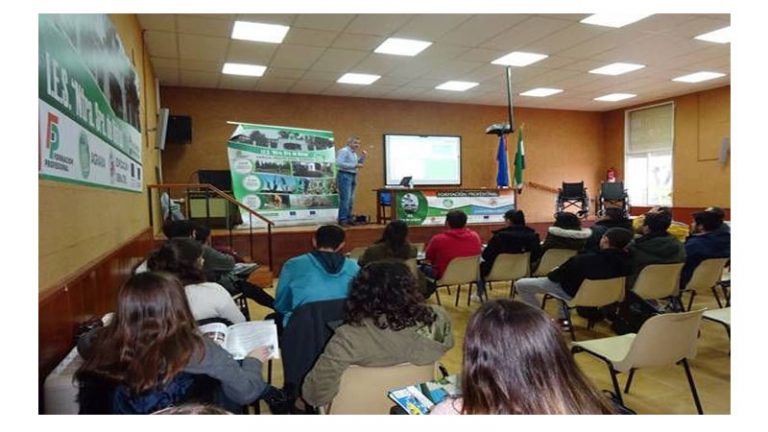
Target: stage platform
x,y
288,242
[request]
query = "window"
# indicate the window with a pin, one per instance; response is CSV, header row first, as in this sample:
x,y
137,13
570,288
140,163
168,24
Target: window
x,y
648,155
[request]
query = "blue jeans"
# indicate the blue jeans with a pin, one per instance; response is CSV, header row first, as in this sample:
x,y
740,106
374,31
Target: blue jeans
x,y
345,183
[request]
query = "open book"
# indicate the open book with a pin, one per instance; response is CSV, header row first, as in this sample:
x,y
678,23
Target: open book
x,y
244,269
240,339
421,398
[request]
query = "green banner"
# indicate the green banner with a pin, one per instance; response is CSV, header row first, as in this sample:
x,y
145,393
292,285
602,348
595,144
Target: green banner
x,y
429,206
89,124
286,174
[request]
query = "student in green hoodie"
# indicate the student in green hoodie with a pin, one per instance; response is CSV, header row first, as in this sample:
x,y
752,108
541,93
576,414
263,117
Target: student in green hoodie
x,y
656,246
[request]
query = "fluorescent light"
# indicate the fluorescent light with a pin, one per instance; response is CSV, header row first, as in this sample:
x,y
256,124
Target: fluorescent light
x,y
456,85
258,32
519,58
358,78
613,20
243,69
719,36
404,47
541,92
617,68
698,77
613,97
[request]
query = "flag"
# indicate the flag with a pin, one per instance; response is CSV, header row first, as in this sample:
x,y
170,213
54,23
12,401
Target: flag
x,y
502,176
519,161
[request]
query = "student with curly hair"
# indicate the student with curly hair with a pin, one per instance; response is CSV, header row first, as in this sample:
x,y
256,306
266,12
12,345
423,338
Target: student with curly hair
x,y
386,323
517,362
152,356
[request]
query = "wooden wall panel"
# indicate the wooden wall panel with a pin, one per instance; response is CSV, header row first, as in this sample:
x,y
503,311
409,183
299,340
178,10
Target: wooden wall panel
x,y
560,145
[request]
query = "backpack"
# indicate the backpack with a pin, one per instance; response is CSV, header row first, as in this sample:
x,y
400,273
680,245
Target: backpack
x,y
633,312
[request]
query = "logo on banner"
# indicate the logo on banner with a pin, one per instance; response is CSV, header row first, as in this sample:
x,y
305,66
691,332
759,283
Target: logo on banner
x,y
85,155
52,134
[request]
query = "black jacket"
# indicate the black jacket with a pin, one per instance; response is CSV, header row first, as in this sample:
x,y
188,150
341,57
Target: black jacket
x,y
603,264
600,227
513,240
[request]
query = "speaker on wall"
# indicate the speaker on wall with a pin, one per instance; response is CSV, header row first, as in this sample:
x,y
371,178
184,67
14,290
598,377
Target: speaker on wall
x,y
179,130
162,128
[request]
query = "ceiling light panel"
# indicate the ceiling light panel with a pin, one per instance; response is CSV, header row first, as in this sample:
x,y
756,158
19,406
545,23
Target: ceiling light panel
x,y
519,59
541,92
243,69
457,85
698,77
617,68
259,32
613,20
358,78
722,36
613,97
403,47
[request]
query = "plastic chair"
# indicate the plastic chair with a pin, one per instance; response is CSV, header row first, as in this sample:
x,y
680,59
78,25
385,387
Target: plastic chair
x,y
659,281
662,340
705,276
363,390
510,267
591,293
460,271
552,259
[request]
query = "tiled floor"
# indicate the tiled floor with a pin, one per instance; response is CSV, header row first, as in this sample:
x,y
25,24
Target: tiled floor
x,y
654,391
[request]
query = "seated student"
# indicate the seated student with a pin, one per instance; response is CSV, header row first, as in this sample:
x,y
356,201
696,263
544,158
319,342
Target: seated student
x,y
183,257
612,260
566,233
219,267
393,244
720,216
386,323
151,356
614,217
323,274
515,238
457,241
678,229
517,362
707,240
656,246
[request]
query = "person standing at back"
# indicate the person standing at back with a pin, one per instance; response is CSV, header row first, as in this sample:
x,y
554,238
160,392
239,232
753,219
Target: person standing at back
x,y
347,164
455,242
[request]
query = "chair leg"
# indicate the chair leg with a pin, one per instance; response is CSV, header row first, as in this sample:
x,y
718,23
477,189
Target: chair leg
x,y
692,385
458,293
269,371
469,294
629,380
616,389
570,323
717,296
690,300
437,296
544,300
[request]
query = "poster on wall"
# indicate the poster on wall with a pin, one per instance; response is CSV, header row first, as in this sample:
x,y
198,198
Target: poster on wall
x,y
429,206
89,129
286,174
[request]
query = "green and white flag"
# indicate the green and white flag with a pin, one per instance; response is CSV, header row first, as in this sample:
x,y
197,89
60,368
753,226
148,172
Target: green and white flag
x,y
519,161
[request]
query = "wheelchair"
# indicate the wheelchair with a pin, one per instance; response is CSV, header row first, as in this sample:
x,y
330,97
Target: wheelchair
x,y
612,195
573,195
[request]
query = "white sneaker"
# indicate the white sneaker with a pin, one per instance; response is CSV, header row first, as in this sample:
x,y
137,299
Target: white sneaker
x,y
475,298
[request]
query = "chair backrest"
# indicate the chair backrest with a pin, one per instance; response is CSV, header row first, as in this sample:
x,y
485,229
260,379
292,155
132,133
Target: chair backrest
x,y
612,191
461,270
658,281
508,267
599,292
412,265
357,252
419,247
553,258
304,339
663,340
363,390
572,190
707,274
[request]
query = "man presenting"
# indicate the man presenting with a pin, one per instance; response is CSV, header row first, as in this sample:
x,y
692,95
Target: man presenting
x,y
347,163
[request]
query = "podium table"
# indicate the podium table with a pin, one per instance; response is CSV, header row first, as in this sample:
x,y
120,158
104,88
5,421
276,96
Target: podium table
x,y
429,205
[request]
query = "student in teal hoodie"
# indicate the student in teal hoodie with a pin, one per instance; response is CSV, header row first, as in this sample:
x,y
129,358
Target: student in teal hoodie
x,y
323,274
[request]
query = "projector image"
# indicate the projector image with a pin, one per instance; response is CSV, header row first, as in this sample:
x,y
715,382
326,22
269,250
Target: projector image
x,y
498,129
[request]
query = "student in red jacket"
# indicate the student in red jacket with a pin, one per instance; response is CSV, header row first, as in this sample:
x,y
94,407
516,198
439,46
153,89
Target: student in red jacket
x,y
457,241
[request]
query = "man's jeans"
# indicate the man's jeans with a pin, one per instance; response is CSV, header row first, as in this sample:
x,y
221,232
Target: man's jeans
x,y
527,288
345,183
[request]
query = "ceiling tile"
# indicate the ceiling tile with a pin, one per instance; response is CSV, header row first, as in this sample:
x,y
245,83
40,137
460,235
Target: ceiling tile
x,y
696,27
202,47
452,70
483,73
332,22
430,27
524,33
164,62
379,25
338,60
358,42
309,37
479,28
250,52
565,38
388,80
233,82
167,76
381,64
342,90
604,42
661,22
161,22
310,87
375,91
275,85
273,72
199,79
200,65
161,44
193,24
441,51
295,56
314,75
